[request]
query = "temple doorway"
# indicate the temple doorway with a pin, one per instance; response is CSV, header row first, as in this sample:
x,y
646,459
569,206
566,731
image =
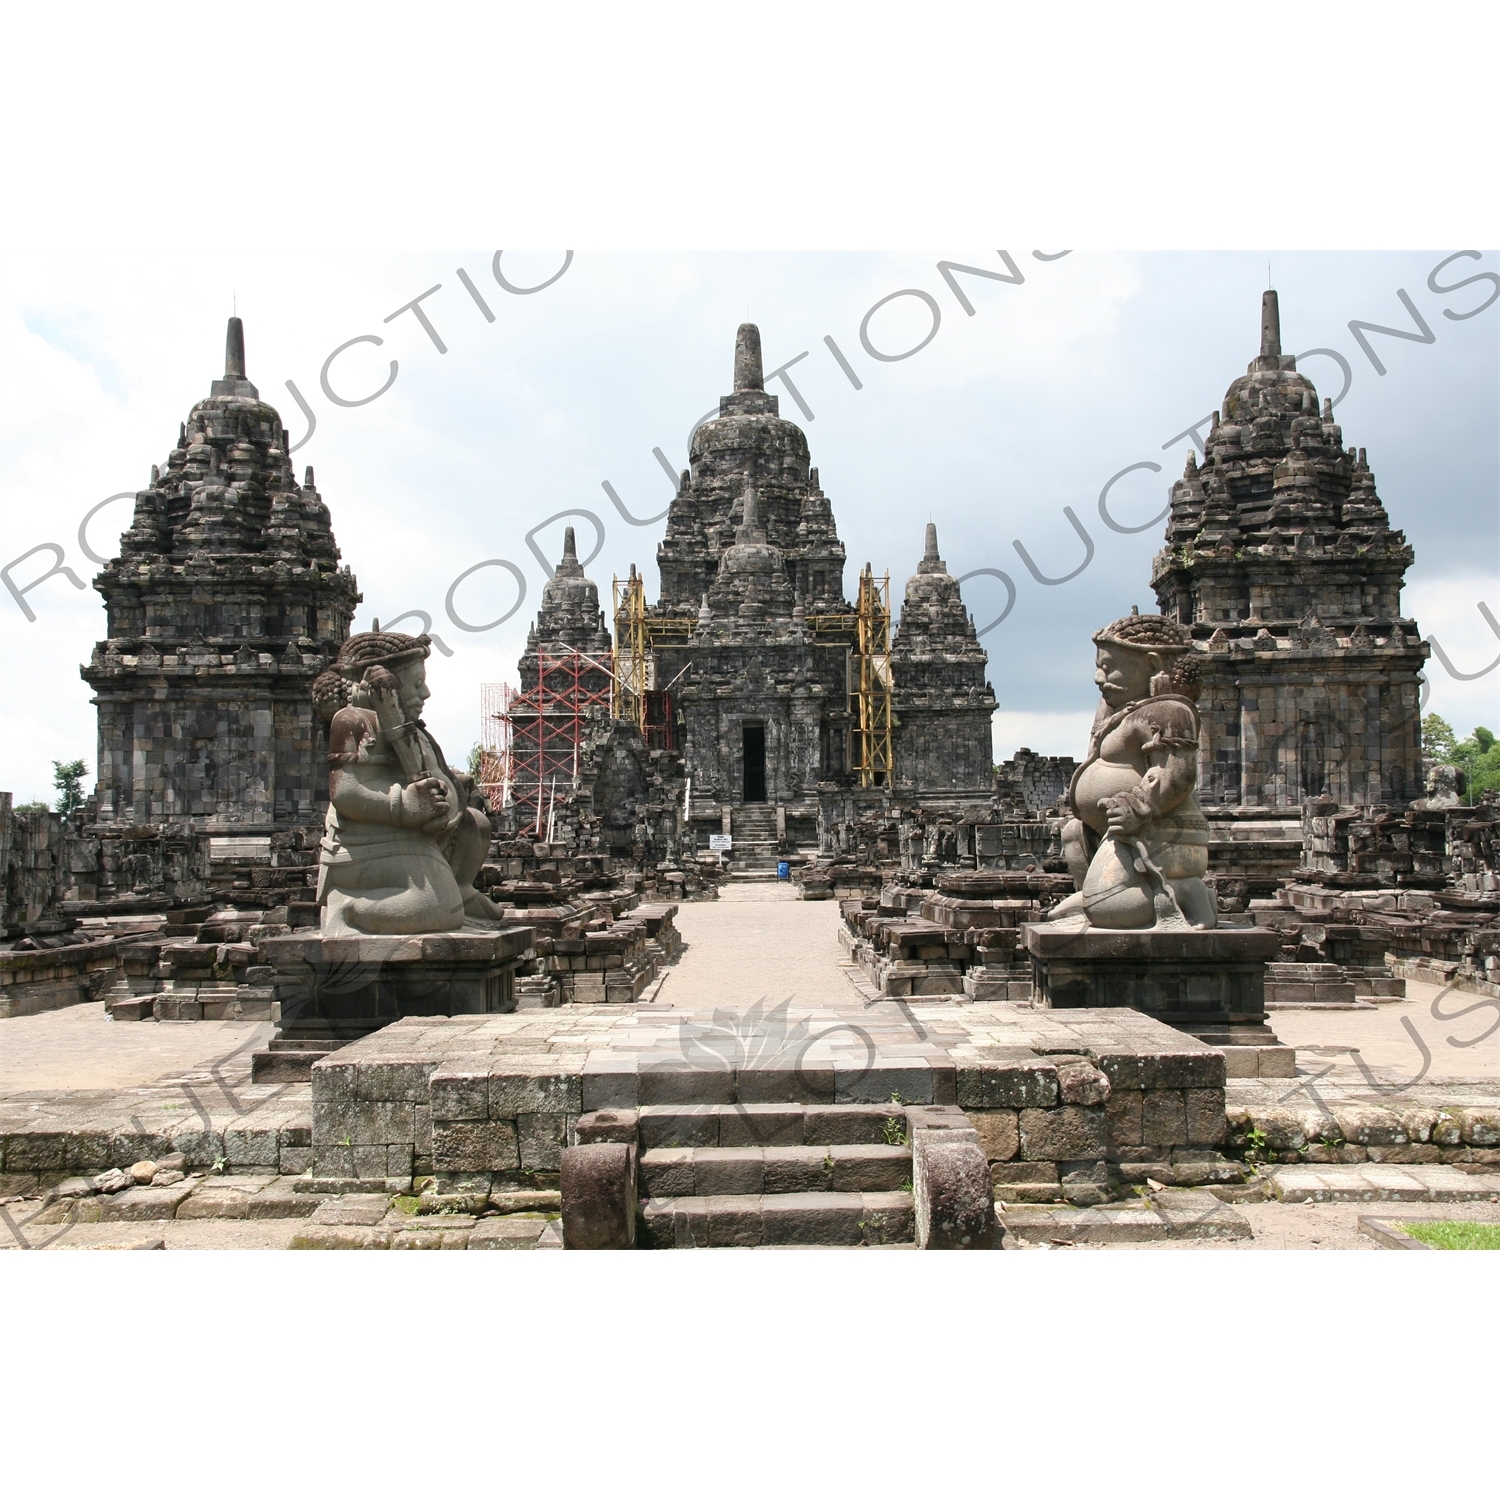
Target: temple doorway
x,y
755,762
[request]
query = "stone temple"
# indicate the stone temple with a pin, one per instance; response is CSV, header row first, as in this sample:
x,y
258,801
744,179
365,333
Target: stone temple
x,y
793,709
226,601
1282,561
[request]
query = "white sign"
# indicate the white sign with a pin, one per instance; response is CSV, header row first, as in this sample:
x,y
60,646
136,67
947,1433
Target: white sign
x,y
720,843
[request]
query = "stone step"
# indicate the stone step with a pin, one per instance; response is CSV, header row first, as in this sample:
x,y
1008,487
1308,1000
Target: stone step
x,y
288,1061
700,1223
1379,1182
709,1171
669,1126
1174,1214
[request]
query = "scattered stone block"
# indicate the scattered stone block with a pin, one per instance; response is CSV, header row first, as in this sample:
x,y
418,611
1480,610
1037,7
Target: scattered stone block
x,y
599,1197
954,1201
506,1233
363,1209
144,1203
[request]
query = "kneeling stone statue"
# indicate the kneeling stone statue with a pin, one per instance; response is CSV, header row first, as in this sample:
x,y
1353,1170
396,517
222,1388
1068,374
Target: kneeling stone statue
x,y
1137,844
405,835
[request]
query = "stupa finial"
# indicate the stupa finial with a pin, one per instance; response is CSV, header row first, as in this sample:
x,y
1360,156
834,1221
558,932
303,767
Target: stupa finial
x,y
1270,324
749,526
234,351
749,373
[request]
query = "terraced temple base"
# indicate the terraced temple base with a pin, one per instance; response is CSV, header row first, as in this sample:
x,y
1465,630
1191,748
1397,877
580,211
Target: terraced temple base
x,y
777,1125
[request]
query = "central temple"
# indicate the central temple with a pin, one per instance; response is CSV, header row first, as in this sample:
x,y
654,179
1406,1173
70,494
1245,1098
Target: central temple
x,y
786,708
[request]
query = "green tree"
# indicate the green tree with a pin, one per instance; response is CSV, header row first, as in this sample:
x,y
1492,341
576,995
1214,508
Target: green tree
x,y
1439,743
67,777
1479,755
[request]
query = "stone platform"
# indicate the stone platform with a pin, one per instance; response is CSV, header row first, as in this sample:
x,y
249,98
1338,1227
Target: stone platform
x,y
1208,984
738,1118
332,991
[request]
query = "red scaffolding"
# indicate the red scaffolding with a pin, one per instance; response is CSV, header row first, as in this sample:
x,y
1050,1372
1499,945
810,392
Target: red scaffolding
x,y
543,732
494,743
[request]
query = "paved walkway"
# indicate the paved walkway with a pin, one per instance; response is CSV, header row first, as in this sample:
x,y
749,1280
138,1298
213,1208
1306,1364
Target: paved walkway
x,y
758,942
1449,1040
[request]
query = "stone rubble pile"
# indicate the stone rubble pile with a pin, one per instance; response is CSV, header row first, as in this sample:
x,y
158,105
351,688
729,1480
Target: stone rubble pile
x,y
954,934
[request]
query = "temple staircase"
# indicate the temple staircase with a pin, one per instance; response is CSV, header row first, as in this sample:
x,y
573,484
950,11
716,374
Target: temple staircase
x,y
725,1175
756,847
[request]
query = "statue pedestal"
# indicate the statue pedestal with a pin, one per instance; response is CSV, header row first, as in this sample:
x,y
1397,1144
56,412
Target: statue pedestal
x,y
1208,984
335,990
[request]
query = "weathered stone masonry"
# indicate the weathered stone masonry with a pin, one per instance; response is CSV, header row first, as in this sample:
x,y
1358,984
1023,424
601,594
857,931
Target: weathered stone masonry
x,y
1282,561
226,601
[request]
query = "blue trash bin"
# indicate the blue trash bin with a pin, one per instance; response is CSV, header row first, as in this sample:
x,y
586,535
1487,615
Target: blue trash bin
x,y
783,869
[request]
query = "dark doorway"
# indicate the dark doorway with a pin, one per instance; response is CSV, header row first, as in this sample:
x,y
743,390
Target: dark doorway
x,y
755,762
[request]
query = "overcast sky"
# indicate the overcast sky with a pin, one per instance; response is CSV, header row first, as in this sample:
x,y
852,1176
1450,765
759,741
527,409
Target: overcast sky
x,y
1092,363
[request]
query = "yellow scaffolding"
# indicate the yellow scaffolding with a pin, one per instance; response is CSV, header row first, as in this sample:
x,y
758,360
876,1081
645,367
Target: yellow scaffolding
x,y
632,665
636,633
866,629
870,682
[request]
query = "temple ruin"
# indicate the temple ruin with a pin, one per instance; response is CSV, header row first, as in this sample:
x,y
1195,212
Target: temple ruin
x,y
1030,1021
786,711
1282,560
225,602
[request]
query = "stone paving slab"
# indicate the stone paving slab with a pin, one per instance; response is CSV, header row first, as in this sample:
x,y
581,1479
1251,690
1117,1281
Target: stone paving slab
x,y
1374,1183
1174,1214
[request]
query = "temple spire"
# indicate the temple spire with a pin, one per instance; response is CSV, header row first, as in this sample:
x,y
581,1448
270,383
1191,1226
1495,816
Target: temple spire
x,y
234,351
234,382
931,562
570,545
748,370
1270,324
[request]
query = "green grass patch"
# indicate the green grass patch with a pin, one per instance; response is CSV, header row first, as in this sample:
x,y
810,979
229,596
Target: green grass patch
x,y
1446,1234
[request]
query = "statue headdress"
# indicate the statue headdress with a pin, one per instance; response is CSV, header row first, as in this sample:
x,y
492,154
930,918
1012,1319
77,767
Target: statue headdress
x,y
1139,632
1156,633
370,648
